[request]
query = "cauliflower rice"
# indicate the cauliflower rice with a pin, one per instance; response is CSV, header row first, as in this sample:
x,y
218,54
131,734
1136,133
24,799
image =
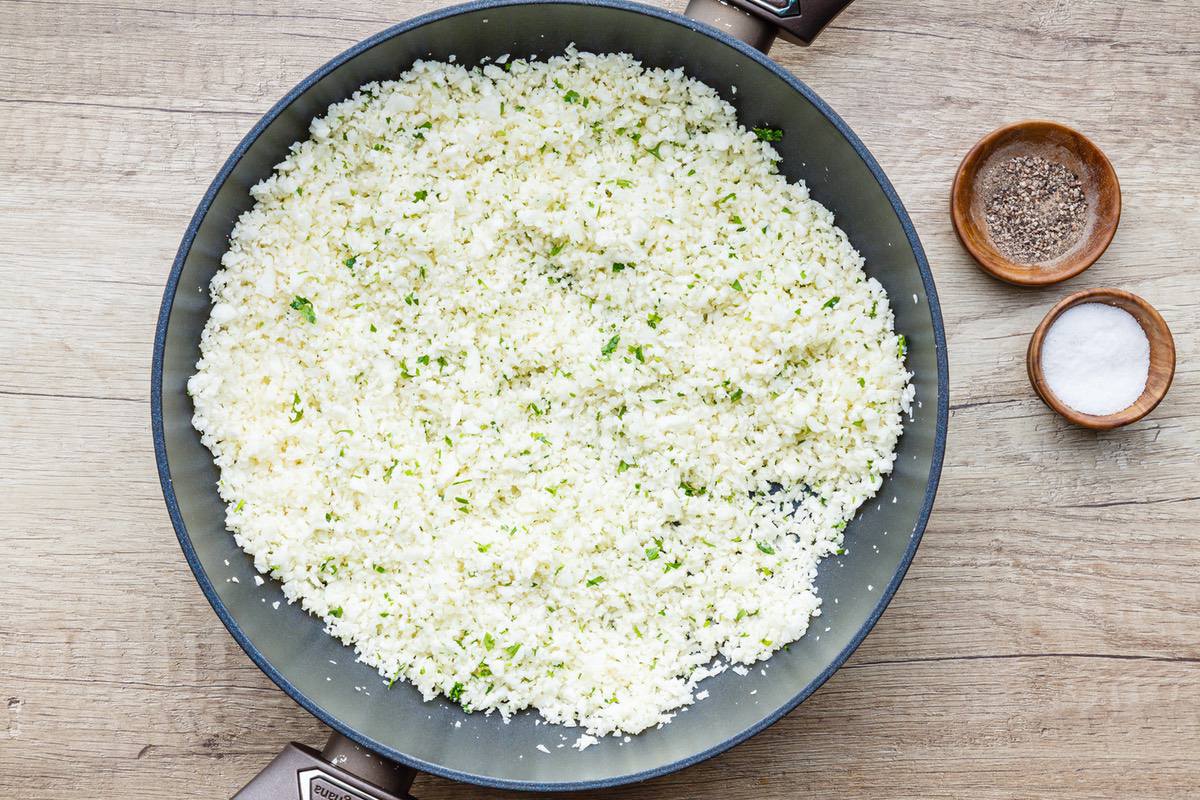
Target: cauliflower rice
x,y
543,388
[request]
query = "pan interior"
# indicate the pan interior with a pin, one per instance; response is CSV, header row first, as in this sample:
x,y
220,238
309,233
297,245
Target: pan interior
x,y
437,736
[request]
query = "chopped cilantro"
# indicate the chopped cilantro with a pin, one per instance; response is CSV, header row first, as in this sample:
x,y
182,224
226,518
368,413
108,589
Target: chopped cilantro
x,y
831,302
766,548
297,411
653,320
512,649
420,194
571,96
350,262
305,308
618,266
488,641
736,286
622,467
768,134
608,349
637,353
336,612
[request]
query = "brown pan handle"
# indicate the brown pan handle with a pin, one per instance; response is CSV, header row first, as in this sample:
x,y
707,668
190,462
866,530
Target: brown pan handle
x,y
343,770
757,22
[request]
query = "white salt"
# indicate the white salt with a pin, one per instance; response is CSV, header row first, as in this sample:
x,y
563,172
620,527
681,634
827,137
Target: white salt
x,y
1096,358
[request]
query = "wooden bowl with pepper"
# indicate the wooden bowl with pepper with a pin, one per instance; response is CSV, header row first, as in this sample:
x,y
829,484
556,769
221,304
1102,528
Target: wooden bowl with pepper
x,y
1035,203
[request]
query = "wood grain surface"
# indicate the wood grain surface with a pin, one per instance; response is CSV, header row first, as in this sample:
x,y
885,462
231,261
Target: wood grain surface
x,y
1047,640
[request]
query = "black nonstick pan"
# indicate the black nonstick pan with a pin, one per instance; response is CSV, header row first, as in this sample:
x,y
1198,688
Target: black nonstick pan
x,y
383,736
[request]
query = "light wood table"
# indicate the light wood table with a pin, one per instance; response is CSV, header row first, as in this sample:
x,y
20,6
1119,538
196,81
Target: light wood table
x,y
1046,642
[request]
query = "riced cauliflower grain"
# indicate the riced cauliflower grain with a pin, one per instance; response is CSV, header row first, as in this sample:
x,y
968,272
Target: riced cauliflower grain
x,y
542,387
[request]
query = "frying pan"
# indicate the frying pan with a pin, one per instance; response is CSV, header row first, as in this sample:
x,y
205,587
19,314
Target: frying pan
x,y
382,736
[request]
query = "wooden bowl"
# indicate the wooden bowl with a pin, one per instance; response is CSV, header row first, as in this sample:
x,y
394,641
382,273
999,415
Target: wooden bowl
x,y
1162,358
1052,142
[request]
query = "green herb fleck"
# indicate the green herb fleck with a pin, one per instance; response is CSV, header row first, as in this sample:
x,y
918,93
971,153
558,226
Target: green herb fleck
x,y
488,642
653,320
618,266
420,195
766,548
297,411
652,553
455,693
571,96
512,649
768,134
608,349
596,581
336,612
736,286
637,353
831,302
305,308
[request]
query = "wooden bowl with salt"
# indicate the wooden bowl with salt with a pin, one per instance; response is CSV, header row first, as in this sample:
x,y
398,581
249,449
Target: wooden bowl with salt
x,y
1158,378
977,195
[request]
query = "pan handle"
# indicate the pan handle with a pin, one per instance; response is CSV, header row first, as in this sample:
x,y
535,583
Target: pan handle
x,y
757,22
343,770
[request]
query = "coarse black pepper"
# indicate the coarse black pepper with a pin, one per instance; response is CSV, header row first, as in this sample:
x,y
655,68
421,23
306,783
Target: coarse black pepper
x,y
1035,209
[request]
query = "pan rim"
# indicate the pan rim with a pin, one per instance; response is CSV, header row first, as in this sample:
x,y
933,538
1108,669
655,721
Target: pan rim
x,y
206,584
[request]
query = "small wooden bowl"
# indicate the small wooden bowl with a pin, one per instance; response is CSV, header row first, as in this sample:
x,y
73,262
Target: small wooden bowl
x,y
1162,358
1052,142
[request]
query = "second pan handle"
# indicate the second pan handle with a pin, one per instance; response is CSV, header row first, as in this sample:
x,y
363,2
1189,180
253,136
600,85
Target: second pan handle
x,y
757,22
